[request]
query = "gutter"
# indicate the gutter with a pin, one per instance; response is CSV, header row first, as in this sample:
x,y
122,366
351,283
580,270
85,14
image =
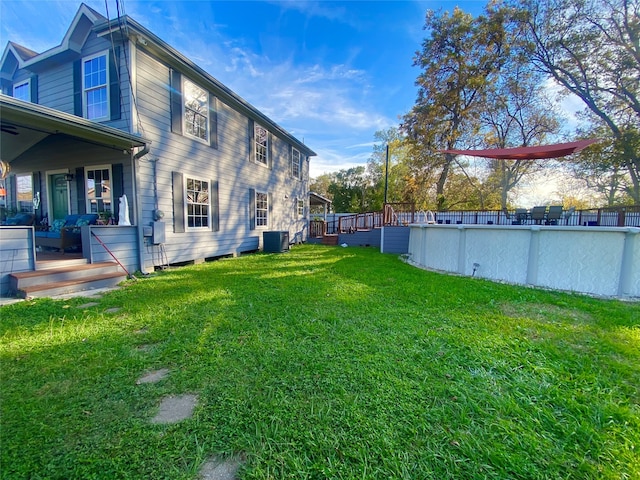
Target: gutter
x,y
138,203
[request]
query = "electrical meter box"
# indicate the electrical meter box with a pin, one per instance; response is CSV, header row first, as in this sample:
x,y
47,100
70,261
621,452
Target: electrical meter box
x,y
158,233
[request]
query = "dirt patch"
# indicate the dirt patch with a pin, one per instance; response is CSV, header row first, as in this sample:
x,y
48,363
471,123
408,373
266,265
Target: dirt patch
x,y
175,408
217,468
546,313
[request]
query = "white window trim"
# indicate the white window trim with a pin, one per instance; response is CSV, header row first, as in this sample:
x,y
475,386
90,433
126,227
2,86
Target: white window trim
x,y
266,225
299,175
300,215
87,200
206,141
104,53
187,228
256,125
26,82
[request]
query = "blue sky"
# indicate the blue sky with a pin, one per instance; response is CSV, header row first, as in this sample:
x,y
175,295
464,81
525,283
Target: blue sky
x,y
331,73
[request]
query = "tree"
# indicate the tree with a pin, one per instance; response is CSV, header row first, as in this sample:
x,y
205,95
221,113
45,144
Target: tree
x,y
320,184
517,113
348,189
602,169
592,49
459,60
396,180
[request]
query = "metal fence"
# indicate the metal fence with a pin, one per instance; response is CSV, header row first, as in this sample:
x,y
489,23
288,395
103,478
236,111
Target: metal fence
x,y
405,214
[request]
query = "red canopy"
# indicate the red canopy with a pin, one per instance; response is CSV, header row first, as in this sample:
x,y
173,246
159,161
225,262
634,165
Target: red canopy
x,y
528,153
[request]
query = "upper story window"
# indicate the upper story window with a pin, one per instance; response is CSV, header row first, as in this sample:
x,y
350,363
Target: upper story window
x,y
22,91
295,163
196,111
261,136
95,87
198,203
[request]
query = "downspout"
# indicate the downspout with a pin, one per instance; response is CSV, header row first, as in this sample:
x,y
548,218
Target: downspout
x,y
138,203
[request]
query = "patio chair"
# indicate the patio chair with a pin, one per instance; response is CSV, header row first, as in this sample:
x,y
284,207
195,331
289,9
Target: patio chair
x,y
521,216
554,214
538,214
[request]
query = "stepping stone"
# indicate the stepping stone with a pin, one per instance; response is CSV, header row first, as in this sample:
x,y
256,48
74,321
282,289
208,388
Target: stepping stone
x,y
145,347
175,408
220,468
153,377
113,310
88,305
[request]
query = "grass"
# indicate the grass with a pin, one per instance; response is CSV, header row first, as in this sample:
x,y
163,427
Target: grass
x,y
323,363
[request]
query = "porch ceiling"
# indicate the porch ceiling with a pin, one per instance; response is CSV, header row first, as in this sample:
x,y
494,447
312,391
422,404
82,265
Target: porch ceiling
x,y
26,124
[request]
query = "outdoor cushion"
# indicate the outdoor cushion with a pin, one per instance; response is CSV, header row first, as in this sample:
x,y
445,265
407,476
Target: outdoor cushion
x,y
57,225
91,218
71,219
21,219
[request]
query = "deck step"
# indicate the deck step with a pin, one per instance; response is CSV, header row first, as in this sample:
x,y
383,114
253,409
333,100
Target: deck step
x,y
330,240
68,279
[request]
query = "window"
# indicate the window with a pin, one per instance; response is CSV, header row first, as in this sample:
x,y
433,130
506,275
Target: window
x,y
198,203
22,91
295,163
261,136
196,111
24,185
95,91
98,181
300,208
262,209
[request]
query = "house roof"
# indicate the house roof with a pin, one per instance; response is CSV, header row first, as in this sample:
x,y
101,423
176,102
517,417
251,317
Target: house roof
x,y
87,20
69,48
25,124
23,52
150,42
528,153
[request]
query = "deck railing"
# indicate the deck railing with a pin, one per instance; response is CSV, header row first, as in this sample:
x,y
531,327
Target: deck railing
x,y
405,214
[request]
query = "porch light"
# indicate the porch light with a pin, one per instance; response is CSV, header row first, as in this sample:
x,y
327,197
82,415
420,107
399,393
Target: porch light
x,y
68,177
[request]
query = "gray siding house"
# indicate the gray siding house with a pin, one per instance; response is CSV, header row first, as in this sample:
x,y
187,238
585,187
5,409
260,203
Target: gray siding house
x,y
115,112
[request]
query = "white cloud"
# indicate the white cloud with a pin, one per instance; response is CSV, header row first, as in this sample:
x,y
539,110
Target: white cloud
x,y
568,104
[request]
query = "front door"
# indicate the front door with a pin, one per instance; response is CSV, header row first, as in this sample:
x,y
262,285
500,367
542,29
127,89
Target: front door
x,y
59,188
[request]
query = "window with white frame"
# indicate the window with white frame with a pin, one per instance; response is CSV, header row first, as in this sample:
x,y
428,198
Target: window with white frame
x,y
196,111
95,91
261,136
22,91
98,182
295,163
262,209
300,208
198,203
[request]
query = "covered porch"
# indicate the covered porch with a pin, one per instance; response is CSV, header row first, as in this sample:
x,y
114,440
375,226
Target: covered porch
x,y
57,167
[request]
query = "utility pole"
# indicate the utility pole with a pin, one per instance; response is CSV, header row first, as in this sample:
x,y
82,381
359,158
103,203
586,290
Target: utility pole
x,y
386,176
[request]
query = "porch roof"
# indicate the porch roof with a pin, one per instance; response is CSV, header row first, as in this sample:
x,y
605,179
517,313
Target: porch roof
x,y
25,124
317,199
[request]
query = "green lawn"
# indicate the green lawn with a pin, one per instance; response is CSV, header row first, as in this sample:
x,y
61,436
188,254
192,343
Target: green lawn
x,y
323,362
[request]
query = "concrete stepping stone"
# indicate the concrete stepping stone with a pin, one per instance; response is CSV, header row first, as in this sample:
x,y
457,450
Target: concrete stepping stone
x,y
175,408
220,468
113,309
88,305
153,377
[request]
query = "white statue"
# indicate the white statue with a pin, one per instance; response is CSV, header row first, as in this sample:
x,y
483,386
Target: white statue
x,y
124,211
